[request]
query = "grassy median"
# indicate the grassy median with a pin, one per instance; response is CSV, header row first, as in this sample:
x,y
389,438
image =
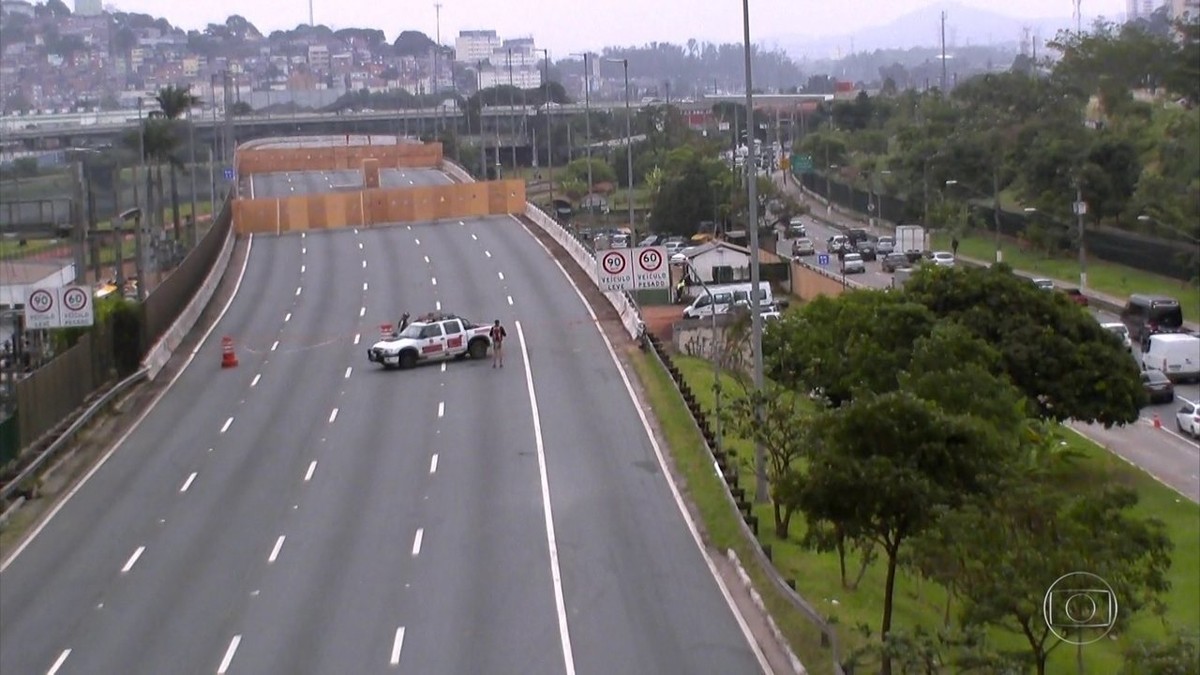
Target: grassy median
x,y
922,603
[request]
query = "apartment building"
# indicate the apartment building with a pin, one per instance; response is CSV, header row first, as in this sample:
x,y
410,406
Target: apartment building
x,y
1185,10
472,46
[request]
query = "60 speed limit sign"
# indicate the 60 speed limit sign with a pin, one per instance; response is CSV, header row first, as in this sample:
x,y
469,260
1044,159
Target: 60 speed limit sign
x,y
76,307
651,270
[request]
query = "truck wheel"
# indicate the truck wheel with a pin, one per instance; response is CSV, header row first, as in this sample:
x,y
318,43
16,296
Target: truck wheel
x,y
478,348
408,359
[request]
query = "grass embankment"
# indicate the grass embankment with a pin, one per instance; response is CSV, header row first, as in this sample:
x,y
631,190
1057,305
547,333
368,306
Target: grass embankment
x,y
1105,277
918,603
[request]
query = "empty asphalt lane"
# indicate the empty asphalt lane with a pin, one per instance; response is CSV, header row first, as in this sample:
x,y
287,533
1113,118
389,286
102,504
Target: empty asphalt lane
x,y
639,593
412,177
485,573
66,571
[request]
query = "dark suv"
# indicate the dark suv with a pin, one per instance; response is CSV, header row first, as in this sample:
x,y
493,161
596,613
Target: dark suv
x,y
856,235
866,248
1144,315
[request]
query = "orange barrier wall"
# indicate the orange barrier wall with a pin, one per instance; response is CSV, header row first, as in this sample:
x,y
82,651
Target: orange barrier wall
x,y
377,206
395,156
808,284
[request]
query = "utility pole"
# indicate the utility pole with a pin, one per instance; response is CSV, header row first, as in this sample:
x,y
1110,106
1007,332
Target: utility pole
x,y
1080,211
512,110
943,53
996,210
192,171
549,127
761,490
587,124
311,23
139,247
437,48
483,172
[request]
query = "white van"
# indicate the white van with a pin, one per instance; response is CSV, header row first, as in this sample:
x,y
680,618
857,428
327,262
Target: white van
x,y
725,297
1177,355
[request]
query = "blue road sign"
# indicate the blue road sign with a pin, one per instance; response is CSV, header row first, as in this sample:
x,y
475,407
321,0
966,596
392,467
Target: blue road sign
x,y
823,259
228,174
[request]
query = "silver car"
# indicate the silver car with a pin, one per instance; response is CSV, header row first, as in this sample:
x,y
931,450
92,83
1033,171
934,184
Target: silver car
x,y
852,263
885,245
803,247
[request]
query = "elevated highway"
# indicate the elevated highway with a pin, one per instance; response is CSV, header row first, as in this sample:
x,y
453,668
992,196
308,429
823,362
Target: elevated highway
x,y
308,512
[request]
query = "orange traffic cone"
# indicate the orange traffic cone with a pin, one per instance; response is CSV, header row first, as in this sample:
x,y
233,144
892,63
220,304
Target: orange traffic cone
x,y
228,357
1157,422
385,331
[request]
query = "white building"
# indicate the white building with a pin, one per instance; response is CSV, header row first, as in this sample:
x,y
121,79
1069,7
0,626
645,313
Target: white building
x,y
318,57
1139,9
88,8
1185,10
472,46
16,7
706,257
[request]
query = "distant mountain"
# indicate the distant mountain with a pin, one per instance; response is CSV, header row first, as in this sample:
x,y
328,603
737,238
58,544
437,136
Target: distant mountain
x,y
965,25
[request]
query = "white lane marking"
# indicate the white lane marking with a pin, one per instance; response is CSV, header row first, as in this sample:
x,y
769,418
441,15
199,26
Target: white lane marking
x,y
229,652
418,242
255,380
287,317
356,230
474,237
188,483
362,311
510,300
364,264
410,182
433,464
501,275
410,227
293,188
275,551
303,250
489,254
302,268
438,306
225,427
356,337
133,559
435,281
136,423
298,289
461,223
564,631
658,453
251,186
58,663
275,345
302,234
349,369
441,408
416,549
397,645
443,367
360,246
364,287
333,415
312,466
426,258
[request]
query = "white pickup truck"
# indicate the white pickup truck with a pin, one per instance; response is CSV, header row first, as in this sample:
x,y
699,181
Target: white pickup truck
x,y
432,337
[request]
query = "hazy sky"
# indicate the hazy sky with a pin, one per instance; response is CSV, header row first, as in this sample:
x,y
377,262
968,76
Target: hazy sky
x,y
565,26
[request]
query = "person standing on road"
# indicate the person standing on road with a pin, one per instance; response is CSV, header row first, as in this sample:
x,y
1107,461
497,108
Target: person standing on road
x,y
497,334
954,247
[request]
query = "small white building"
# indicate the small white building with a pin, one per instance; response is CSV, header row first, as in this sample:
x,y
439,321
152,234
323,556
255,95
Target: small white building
x,y
22,275
711,255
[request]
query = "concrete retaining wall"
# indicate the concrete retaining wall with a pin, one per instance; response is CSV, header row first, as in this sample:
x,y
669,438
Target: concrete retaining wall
x,y
337,157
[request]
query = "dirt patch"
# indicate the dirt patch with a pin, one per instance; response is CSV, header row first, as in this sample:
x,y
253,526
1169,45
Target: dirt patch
x,y
660,320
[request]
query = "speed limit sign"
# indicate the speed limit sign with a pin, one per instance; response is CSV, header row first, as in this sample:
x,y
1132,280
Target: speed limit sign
x,y
651,270
76,307
614,271
41,308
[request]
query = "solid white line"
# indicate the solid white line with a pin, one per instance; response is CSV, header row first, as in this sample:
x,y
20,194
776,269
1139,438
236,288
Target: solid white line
x,y
435,281
62,658
397,645
510,300
229,652
298,289
433,464
356,337
255,380
418,242
275,551
416,550
364,287
364,264
362,311
426,258
275,345
438,306
658,453
133,559
225,427
564,632
489,254
349,369
441,408
188,483
287,317
333,415
501,275
474,237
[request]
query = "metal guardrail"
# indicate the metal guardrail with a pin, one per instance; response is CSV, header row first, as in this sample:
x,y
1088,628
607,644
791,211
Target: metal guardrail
x,y
777,581
64,439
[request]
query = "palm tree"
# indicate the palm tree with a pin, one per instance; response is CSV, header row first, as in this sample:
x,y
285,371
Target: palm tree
x,y
174,102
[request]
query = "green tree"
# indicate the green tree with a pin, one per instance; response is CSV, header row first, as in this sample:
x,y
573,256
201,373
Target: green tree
x,y
888,465
687,196
175,101
1054,352
1178,656
578,170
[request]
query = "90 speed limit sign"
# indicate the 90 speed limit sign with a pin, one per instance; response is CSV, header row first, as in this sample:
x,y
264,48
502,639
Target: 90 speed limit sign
x,y
614,271
41,308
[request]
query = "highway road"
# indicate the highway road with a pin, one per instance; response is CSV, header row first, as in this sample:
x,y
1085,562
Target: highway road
x,y
1170,457
292,183
309,512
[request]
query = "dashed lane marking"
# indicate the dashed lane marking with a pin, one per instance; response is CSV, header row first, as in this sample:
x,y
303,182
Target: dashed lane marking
x,y
188,483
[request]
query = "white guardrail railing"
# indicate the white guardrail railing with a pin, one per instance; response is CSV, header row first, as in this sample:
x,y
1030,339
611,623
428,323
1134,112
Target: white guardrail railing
x,y
626,308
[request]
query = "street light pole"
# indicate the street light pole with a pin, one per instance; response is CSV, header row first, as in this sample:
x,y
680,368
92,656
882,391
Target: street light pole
x,y
761,491
996,210
479,93
549,128
628,151
1080,210
512,111
192,161
587,124
437,48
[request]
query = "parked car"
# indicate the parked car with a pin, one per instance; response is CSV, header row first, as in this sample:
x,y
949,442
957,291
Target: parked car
x,y
885,245
852,263
1076,296
1187,419
803,247
893,261
866,248
942,259
1122,333
1044,284
1158,386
